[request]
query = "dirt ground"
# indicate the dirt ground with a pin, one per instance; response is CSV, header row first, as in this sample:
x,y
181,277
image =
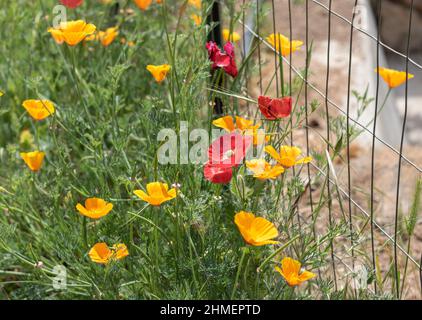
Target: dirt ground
x,y
386,164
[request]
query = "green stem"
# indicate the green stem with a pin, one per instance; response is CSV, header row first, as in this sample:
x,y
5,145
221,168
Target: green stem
x,y
277,252
85,231
238,272
281,70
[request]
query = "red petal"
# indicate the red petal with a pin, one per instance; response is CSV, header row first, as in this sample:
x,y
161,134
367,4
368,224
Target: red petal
x,y
229,49
221,60
273,109
220,174
212,49
72,3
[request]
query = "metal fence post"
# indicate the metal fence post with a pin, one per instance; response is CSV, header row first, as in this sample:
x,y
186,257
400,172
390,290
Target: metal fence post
x,y
213,20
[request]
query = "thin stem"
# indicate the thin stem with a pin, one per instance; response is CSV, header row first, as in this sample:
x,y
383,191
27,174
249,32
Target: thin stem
x,y
276,253
244,250
85,231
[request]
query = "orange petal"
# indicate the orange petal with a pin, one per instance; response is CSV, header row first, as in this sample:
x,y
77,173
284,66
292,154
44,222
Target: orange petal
x,y
100,253
225,123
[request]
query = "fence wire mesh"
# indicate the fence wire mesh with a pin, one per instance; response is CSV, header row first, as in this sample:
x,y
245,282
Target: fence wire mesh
x,y
343,45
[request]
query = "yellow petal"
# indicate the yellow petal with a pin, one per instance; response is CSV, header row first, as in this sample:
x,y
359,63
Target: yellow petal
x,y
233,37
273,153
304,160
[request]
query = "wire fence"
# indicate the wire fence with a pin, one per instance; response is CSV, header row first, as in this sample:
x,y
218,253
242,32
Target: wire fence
x,y
257,19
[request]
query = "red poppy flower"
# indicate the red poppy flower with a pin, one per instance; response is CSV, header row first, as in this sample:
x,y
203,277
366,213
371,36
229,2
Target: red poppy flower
x,y
224,154
72,3
219,174
223,59
274,109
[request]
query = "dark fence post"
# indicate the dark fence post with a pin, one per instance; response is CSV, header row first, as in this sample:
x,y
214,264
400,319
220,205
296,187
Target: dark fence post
x,y
213,20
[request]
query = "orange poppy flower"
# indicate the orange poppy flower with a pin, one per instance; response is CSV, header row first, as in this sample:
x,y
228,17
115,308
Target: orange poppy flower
x,y
290,271
196,19
159,72
39,109
108,36
393,78
196,3
157,193
256,231
101,253
72,32
143,4
242,125
94,208
287,46
262,170
288,156
33,160
233,37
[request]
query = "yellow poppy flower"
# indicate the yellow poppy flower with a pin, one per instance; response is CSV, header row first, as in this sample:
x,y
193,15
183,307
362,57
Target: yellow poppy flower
x,y
157,193
39,109
393,78
143,4
72,32
242,125
108,36
101,253
159,72
262,170
33,160
278,40
196,19
234,37
290,270
196,3
1,93
288,156
256,231
94,208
